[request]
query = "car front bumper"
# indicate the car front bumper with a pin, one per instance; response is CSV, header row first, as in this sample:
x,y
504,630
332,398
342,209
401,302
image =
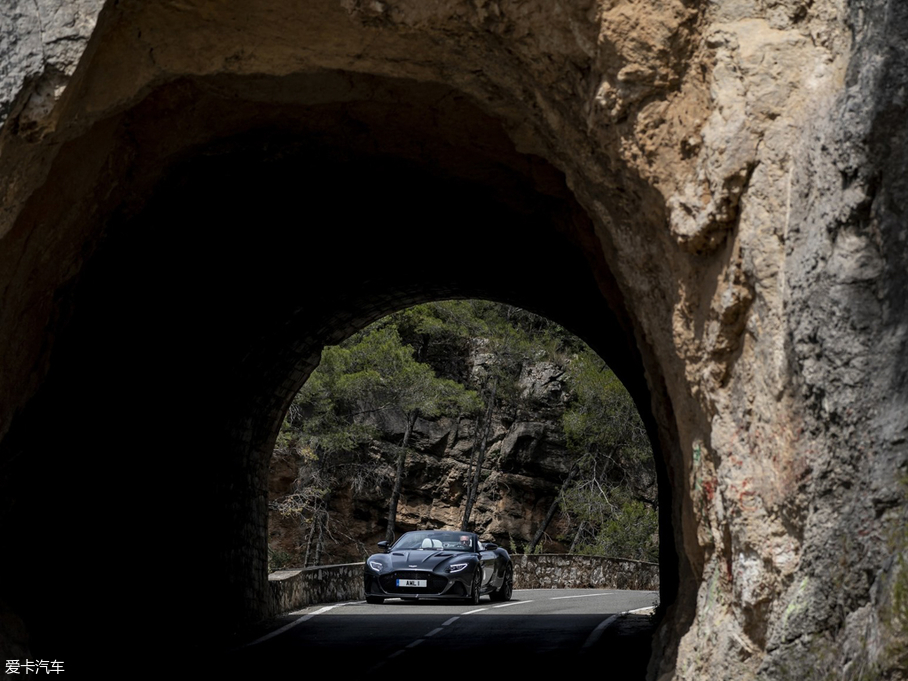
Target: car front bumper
x,y
387,585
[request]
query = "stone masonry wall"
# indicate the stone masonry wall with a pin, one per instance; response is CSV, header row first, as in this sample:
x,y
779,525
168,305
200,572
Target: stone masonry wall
x,y
294,589
566,571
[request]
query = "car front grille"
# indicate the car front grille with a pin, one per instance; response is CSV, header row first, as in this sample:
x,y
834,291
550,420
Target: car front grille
x,y
434,583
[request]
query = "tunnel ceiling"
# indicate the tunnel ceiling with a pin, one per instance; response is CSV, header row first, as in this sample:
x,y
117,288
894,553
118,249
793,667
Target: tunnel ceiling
x,y
287,214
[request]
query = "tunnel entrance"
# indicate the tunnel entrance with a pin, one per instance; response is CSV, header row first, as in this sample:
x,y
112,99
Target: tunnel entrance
x,y
462,414
224,244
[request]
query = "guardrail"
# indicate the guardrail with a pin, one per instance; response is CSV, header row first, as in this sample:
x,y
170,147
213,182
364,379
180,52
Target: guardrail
x,y
571,571
294,589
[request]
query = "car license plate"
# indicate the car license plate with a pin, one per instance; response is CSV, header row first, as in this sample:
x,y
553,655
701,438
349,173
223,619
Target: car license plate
x,y
412,582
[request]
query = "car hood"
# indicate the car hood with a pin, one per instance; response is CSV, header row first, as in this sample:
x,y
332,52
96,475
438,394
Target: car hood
x,y
423,560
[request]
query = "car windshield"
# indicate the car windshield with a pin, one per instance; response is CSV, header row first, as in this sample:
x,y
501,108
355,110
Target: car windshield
x,y
434,540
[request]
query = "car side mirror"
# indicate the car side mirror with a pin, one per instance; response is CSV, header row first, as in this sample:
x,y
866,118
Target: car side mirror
x,y
490,546
384,546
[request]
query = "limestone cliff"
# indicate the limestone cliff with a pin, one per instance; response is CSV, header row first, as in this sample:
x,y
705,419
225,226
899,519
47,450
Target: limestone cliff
x,y
525,465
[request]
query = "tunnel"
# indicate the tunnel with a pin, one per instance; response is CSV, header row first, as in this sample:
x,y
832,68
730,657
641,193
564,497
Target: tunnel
x,y
197,197
222,244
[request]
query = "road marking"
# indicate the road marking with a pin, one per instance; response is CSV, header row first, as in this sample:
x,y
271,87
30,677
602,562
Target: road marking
x,y
561,598
596,634
470,612
446,623
302,619
413,644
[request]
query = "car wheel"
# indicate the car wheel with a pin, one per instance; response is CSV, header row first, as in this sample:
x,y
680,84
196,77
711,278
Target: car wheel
x,y
503,593
375,600
476,587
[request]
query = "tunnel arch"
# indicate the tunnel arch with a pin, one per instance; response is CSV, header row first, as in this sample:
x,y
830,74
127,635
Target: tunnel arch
x,y
526,456
111,288
224,244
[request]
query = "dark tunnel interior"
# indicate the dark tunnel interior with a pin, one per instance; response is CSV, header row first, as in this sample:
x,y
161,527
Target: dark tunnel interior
x,y
214,278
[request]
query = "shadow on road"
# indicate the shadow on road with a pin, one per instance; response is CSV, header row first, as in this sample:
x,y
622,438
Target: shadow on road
x,y
503,644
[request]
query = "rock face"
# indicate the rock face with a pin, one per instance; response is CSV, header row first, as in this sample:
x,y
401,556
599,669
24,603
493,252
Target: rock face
x,y
526,463
711,193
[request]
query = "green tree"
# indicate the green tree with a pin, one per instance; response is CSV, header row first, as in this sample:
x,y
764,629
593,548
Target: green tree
x,y
444,332
372,372
395,380
458,359
611,491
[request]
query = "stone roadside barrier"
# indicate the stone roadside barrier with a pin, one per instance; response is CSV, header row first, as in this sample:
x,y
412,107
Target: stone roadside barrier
x,y
294,589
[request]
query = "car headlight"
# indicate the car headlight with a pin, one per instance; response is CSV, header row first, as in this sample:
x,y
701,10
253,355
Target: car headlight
x,y
457,567
375,565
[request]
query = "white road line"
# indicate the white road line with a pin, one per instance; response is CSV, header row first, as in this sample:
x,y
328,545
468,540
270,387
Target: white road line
x,y
451,621
470,612
561,598
434,631
381,663
415,643
508,605
596,634
302,619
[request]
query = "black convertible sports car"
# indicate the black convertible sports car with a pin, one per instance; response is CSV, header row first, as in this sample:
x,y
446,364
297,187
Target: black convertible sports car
x,y
439,564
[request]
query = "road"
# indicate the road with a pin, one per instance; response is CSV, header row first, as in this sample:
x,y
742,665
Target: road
x,y
538,631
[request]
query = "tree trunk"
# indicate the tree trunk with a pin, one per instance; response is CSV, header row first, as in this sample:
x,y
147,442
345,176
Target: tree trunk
x,y
399,478
309,537
577,536
320,536
552,509
479,455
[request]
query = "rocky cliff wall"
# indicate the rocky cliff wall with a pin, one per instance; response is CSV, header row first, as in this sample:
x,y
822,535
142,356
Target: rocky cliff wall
x,y
741,165
526,463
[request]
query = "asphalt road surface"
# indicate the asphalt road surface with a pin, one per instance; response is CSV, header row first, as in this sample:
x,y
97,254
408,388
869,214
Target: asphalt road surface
x,y
537,632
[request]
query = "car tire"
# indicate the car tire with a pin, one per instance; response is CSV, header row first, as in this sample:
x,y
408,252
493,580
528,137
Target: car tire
x,y
476,587
503,593
375,600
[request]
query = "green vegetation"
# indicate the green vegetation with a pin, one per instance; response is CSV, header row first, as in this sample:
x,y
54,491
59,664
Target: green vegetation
x,y
895,613
371,374
612,496
463,360
278,559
